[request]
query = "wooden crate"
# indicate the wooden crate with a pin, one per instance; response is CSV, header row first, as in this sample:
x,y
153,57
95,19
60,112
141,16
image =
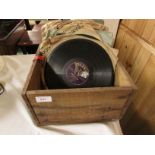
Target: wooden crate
x,y
77,105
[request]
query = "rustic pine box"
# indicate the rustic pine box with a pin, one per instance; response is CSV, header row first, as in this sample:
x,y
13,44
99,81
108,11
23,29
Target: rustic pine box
x,y
77,105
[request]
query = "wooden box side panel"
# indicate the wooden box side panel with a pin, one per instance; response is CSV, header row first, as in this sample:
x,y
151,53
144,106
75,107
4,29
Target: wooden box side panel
x,y
34,79
30,109
78,115
32,83
75,106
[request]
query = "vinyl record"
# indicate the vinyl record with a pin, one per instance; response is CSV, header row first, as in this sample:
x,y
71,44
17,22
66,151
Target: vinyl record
x,y
78,63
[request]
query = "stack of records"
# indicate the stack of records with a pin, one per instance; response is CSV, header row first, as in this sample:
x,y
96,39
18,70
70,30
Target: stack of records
x,y
78,63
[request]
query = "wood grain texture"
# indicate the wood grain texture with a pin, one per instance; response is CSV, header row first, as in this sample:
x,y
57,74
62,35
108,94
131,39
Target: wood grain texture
x,y
78,105
98,97
67,116
146,84
26,87
139,59
145,29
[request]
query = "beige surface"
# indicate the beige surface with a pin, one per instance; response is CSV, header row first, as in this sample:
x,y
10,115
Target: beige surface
x,y
1,64
14,116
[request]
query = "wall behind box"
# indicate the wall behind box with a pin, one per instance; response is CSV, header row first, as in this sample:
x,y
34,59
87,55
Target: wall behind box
x,y
136,43
112,25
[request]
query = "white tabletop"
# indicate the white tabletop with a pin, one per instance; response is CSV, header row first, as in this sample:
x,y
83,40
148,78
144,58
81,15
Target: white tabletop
x,y
14,115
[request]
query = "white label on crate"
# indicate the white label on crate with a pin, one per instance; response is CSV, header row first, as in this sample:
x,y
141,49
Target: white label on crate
x,y
40,99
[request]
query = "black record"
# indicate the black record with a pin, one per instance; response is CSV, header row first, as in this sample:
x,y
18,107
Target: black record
x,y
78,63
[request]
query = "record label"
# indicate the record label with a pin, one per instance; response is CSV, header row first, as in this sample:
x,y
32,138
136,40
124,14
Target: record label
x,y
76,72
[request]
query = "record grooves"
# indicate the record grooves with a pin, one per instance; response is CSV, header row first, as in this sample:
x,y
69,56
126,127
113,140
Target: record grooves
x,y
78,63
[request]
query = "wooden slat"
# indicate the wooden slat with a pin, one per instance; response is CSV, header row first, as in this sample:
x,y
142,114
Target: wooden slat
x,y
132,57
127,45
134,53
139,64
80,105
139,61
145,83
137,38
149,27
77,115
97,97
137,25
25,88
145,29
